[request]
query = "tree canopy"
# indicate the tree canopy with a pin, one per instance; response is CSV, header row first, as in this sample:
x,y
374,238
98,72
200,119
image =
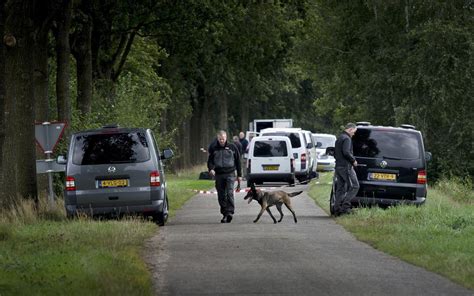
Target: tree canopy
x,y
189,68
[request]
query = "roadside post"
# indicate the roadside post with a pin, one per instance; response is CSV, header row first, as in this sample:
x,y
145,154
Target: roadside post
x,y
47,136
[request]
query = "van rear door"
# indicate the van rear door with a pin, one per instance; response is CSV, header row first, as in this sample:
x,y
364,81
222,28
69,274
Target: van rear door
x,y
112,169
271,156
388,162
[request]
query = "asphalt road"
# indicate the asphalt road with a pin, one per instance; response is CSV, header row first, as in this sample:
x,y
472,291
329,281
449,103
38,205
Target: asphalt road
x,y
197,255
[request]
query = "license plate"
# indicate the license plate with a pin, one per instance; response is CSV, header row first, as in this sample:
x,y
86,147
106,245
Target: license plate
x,y
271,167
113,183
383,176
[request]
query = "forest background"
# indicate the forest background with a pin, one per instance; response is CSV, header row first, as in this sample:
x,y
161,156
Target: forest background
x,y
188,68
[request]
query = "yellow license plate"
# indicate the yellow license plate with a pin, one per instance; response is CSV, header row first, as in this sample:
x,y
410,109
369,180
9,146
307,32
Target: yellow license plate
x,y
382,176
113,183
271,167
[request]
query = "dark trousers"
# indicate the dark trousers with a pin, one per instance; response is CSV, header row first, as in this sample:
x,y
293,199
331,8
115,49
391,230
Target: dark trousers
x,y
347,187
225,193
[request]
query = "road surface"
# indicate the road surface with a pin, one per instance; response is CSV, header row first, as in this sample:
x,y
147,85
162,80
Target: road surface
x,y
195,254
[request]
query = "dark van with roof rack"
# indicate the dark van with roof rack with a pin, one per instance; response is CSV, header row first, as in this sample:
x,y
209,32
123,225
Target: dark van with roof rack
x,y
114,171
391,165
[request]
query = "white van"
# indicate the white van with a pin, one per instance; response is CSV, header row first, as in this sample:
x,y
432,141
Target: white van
x,y
270,159
298,144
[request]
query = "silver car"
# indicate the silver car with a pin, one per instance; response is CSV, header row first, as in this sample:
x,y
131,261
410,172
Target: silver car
x,y
325,162
114,171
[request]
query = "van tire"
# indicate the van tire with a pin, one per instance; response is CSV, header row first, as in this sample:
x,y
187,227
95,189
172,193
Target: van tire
x,y
292,182
161,218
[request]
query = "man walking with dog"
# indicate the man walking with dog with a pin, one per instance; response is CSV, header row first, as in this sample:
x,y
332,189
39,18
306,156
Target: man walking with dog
x,y
347,184
223,161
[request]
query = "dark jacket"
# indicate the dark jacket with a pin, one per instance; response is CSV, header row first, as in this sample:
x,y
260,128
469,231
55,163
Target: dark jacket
x,y
239,147
244,144
344,154
224,160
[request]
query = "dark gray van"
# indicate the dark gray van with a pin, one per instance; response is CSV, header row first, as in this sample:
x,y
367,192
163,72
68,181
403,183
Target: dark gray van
x,y
391,165
115,171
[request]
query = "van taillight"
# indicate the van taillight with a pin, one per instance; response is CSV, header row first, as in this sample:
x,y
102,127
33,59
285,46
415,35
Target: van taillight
x,y
421,177
249,165
303,160
292,164
155,179
70,183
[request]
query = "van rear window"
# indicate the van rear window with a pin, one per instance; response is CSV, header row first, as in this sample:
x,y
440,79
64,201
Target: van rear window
x,y
294,138
388,144
270,149
110,148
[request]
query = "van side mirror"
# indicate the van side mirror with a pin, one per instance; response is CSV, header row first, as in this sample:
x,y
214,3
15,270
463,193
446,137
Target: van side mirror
x,y
167,153
319,144
428,156
331,151
61,159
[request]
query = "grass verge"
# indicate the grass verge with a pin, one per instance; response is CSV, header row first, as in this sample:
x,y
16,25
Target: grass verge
x,y
181,186
438,236
43,253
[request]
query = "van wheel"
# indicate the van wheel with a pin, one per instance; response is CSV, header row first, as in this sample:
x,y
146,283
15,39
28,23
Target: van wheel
x,y
162,217
292,182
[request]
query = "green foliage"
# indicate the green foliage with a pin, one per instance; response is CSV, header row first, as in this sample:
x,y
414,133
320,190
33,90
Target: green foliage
x,y
437,236
398,62
457,189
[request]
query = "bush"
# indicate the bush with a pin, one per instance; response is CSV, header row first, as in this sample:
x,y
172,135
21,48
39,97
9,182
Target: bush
x,y
458,189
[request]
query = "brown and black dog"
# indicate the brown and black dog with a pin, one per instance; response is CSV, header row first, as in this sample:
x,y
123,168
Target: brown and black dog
x,y
273,198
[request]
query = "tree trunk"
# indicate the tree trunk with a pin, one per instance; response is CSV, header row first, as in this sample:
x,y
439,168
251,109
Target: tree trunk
x,y
63,53
40,74
19,166
2,92
223,112
207,129
84,67
244,115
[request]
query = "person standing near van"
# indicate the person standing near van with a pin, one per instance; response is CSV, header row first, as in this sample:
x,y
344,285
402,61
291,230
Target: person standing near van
x,y
347,184
223,161
245,144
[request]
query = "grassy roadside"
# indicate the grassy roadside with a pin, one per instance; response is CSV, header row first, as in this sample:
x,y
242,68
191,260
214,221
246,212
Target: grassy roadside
x,y
181,186
43,253
438,236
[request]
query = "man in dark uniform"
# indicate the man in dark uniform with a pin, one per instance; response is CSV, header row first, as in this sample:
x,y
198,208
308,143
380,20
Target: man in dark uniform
x,y
245,144
347,184
223,161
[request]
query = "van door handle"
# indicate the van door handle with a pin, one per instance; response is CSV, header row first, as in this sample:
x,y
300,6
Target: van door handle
x,y
361,165
113,198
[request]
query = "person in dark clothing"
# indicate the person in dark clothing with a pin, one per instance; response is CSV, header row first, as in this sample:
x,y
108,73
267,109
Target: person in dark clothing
x,y
347,184
243,142
238,145
223,161
245,145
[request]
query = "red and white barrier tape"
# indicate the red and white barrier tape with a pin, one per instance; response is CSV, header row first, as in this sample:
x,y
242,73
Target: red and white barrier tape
x,y
236,191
